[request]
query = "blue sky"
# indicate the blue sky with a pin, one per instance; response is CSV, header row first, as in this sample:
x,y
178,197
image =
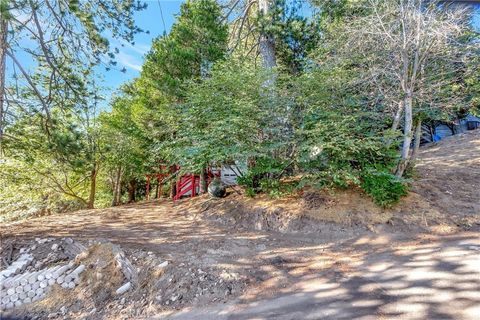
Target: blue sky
x,y
131,56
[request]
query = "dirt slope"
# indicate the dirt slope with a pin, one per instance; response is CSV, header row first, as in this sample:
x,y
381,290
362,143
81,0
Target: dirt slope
x,y
449,174
312,256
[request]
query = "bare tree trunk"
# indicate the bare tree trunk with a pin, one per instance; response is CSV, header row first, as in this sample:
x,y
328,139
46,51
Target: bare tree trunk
x,y
203,181
3,55
116,186
132,187
397,117
173,184
417,138
407,136
93,187
267,43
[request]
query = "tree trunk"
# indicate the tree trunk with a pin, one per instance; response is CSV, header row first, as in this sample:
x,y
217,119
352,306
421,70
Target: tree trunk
x,y
93,187
132,188
418,137
267,43
173,183
203,181
3,55
157,189
397,117
116,187
407,136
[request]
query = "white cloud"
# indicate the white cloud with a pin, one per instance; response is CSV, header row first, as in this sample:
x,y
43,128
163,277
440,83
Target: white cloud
x,y
129,61
139,48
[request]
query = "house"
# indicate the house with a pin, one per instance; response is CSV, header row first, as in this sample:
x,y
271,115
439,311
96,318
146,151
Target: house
x,y
444,129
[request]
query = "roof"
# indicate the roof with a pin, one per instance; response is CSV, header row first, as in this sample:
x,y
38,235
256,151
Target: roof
x,y
472,118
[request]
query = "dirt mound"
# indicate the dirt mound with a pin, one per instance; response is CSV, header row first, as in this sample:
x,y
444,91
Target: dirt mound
x,y
158,284
445,198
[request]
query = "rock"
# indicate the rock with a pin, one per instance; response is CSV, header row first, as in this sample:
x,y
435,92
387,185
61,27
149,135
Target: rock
x,y
261,247
68,240
55,247
63,310
216,188
163,264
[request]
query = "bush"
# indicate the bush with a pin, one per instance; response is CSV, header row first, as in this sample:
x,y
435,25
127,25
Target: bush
x,y
385,188
265,177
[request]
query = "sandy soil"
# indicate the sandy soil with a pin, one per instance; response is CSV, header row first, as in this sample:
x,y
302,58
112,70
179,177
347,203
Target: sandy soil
x,y
449,174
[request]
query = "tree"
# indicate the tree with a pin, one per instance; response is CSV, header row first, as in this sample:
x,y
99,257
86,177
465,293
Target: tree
x,y
197,40
66,161
126,147
223,117
66,39
406,51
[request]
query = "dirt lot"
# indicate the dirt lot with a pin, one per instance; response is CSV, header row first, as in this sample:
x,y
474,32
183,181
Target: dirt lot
x,y
321,256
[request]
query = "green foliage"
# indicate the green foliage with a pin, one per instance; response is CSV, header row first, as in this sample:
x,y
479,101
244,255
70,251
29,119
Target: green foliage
x,y
385,188
198,39
265,177
221,117
295,35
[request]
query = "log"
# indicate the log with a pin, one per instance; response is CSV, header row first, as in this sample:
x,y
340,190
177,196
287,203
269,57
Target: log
x,y
27,287
36,285
60,271
123,288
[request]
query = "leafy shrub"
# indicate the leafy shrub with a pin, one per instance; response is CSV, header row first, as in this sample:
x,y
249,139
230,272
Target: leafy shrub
x,y
266,171
265,176
385,188
250,192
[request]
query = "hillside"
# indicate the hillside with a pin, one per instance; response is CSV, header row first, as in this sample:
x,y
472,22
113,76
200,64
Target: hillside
x,y
449,174
231,253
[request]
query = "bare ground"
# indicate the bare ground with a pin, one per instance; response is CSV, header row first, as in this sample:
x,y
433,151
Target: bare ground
x,y
322,256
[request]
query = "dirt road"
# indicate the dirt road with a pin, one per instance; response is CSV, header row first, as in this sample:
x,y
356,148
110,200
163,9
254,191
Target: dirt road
x,y
336,273
433,279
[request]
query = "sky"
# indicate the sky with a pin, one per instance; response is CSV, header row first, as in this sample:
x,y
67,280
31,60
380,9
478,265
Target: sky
x,y
131,56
